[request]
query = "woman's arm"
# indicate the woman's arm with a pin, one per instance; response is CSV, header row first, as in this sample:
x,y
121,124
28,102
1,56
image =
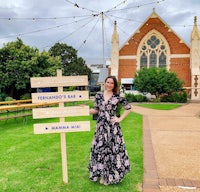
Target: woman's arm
x,y
95,109
124,114
116,119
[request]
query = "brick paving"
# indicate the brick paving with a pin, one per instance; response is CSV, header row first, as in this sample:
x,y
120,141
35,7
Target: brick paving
x,y
152,180
150,176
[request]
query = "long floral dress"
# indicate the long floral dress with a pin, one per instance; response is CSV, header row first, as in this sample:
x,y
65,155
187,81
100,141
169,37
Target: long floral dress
x,y
108,156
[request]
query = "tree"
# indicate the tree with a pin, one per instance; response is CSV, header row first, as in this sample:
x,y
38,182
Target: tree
x,y
19,62
71,63
44,65
157,81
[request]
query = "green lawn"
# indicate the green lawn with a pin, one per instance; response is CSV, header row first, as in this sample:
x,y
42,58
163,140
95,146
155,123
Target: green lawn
x,y
160,106
32,163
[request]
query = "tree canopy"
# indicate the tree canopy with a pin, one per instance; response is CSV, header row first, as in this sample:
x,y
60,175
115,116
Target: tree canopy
x,y
157,81
71,63
19,62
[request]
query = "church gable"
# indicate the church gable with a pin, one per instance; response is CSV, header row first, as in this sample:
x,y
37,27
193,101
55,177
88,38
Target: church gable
x,y
155,44
154,22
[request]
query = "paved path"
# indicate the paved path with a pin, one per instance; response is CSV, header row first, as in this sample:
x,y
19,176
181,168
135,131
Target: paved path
x,y
171,141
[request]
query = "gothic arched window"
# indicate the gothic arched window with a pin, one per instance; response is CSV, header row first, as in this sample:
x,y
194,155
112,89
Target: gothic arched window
x,y
153,53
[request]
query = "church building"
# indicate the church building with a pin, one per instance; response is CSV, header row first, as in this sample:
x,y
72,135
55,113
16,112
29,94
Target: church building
x,y
155,44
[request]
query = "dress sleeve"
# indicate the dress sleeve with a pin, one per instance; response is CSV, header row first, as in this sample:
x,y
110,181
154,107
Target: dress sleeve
x,y
96,101
124,103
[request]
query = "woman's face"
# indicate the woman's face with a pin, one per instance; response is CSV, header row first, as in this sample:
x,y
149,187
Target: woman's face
x,y
109,84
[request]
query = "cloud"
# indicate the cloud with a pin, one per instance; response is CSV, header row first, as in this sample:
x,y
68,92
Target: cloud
x,y
43,23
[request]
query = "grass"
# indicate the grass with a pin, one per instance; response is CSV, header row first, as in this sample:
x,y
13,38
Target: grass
x,y
160,106
32,163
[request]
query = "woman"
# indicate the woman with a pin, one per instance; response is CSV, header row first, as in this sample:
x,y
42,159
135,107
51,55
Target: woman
x,y
108,158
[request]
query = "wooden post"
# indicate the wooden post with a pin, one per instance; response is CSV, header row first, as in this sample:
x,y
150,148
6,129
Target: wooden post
x,y
63,138
61,97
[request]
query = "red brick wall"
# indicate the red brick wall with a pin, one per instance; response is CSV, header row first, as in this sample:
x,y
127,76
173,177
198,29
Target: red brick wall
x,y
127,68
181,66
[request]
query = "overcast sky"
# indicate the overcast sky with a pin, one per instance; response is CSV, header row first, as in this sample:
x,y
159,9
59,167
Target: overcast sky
x,y
42,23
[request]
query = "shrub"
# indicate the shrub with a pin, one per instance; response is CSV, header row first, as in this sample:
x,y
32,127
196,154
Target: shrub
x,y
2,96
71,88
183,97
25,96
140,98
130,97
9,99
156,100
135,98
178,97
157,81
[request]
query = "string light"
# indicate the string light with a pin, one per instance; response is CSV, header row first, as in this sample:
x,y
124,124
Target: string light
x,y
124,19
73,32
126,34
92,14
115,7
84,42
37,31
138,6
43,18
78,6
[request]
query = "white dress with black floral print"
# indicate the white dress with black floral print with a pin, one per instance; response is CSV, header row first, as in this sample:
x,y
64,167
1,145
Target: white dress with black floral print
x,y
108,157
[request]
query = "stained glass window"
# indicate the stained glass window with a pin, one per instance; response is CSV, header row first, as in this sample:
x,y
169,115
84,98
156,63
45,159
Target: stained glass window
x,y
153,53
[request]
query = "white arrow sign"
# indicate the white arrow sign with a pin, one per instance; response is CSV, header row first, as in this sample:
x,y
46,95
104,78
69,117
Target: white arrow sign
x,y
62,127
52,112
60,97
41,82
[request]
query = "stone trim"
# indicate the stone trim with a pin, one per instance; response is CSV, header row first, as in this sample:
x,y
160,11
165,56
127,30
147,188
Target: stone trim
x,y
171,56
128,57
180,56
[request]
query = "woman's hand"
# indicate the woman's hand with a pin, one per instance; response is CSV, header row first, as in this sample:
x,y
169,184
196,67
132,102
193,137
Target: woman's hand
x,y
115,119
93,111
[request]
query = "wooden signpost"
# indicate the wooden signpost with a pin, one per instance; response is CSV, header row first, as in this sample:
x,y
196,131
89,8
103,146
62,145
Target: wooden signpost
x,y
39,113
47,97
61,97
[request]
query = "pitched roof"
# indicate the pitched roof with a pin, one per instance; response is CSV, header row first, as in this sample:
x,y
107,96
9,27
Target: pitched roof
x,y
154,15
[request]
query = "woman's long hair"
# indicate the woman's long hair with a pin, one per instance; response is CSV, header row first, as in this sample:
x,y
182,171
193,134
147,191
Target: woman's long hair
x,y
115,89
